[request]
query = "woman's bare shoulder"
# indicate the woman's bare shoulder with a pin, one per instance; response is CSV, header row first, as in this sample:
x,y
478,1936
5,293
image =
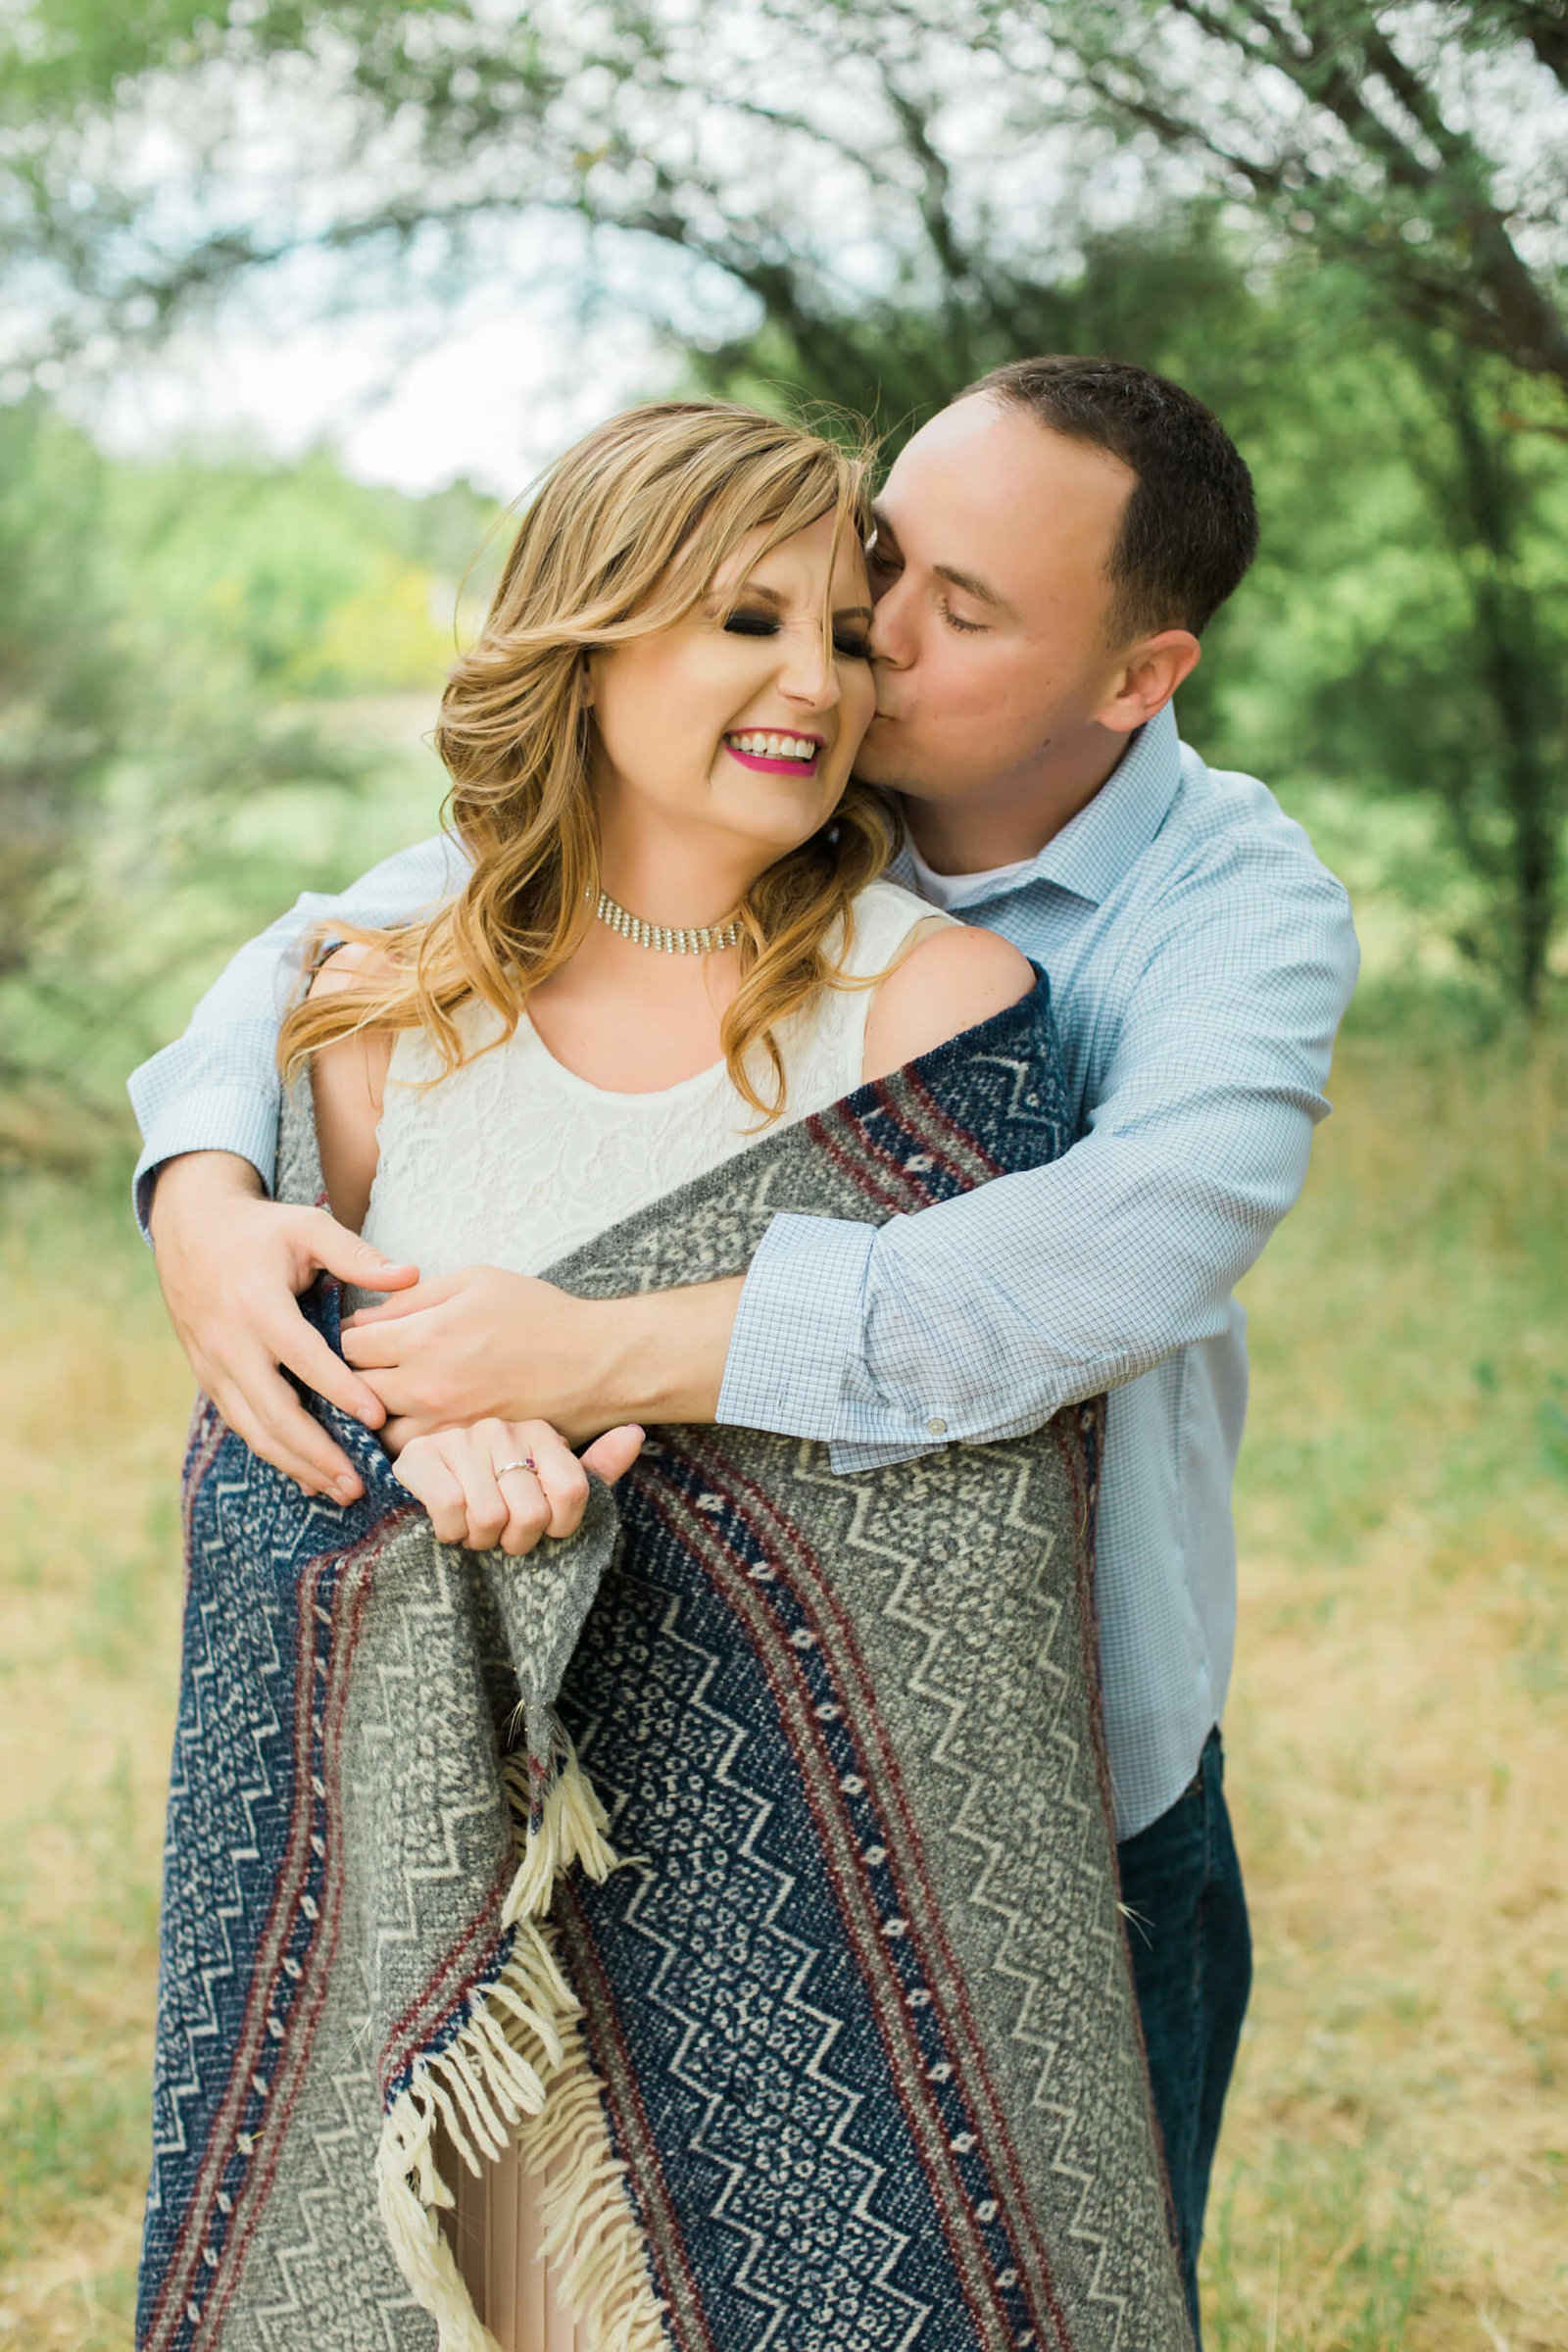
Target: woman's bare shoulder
x,y
951,979
347,1083
356,961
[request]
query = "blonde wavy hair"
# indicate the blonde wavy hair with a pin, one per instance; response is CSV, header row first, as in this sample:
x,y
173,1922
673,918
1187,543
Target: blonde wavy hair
x,y
624,535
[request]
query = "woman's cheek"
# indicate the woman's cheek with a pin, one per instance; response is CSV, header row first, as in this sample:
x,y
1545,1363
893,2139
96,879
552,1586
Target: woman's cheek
x,y
862,706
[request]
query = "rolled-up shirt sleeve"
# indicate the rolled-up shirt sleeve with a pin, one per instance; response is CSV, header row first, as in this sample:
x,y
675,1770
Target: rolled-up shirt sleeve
x,y
978,1318
215,1088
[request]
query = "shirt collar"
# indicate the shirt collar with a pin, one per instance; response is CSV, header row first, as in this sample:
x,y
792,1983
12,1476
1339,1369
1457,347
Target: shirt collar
x,y
1094,849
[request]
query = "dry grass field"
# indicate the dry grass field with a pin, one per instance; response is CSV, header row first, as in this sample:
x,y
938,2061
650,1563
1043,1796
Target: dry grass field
x,y
1395,2169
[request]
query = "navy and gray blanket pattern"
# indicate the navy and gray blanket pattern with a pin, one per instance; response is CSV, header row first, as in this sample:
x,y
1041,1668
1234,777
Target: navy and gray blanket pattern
x,y
858,2008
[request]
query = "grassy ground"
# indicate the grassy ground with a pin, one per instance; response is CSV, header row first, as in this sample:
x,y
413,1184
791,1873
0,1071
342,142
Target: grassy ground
x,y
1395,2168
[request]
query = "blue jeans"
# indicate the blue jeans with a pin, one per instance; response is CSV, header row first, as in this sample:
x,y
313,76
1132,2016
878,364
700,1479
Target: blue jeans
x,y
1192,1954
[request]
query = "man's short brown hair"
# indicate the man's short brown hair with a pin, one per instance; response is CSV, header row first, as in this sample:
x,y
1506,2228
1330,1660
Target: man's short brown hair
x,y
1189,530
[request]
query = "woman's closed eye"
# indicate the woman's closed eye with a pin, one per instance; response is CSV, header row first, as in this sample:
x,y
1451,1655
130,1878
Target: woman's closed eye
x,y
852,643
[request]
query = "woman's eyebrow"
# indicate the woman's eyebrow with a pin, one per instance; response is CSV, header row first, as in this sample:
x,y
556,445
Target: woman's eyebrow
x,y
776,598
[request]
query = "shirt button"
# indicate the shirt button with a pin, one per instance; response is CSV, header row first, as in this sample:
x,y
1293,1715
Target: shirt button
x,y
936,1427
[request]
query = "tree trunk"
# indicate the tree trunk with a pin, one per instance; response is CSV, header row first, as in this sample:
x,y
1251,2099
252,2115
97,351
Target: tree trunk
x,y
1518,670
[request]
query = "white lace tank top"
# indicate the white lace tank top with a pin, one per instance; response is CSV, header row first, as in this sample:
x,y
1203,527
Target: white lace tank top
x,y
513,1160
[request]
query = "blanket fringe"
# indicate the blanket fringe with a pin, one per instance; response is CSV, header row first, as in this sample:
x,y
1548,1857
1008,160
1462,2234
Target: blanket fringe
x,y
590,2228
572,1827
519,2069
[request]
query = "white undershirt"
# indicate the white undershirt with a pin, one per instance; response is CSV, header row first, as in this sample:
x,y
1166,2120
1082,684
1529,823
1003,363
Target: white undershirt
x,y
962,890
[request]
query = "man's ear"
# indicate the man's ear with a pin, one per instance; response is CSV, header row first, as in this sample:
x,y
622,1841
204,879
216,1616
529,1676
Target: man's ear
x,y
1149,675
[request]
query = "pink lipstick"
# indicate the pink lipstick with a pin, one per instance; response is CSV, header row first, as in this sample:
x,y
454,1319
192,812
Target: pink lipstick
x,y
775,763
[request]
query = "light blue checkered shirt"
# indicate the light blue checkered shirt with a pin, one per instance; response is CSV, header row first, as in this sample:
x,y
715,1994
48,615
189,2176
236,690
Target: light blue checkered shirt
x,y
1199,961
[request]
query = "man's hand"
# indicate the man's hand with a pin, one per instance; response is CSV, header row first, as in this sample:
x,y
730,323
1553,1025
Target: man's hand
x,y
482,1344
233,1265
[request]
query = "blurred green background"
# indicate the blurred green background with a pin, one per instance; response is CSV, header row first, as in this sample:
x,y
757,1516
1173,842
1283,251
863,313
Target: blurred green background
x,y
219,663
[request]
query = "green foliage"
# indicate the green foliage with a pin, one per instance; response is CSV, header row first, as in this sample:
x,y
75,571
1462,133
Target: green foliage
x,y
1168,294
1406,631
64,685
169,634
293,577
1367,135
1465,1382
1407,628
1329,225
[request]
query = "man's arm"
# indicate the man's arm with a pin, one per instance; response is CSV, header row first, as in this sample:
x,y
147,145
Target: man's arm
x,y
975,1319
467,1345
978,1318
231,1261
215,1089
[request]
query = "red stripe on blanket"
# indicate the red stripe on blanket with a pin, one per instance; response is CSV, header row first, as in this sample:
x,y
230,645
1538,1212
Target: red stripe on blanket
x,y
834,1135
919,1902
982,1167
455,1977
858,1903
840,1853
170,2312
673,2278
905,1191
298,2044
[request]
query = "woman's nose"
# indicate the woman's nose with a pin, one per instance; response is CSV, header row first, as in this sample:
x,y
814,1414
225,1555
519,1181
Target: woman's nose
x,y
808,672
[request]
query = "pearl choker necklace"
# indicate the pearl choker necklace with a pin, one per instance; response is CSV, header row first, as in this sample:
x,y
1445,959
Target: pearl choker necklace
x,y
704,940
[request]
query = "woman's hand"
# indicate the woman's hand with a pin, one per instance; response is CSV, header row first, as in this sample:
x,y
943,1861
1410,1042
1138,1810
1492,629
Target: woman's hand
x,y
502,1485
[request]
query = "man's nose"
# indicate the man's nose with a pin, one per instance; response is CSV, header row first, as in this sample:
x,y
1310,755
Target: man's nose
x,y
889,633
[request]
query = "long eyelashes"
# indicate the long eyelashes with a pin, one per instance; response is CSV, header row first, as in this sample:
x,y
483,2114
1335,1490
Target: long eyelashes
x,y
763,624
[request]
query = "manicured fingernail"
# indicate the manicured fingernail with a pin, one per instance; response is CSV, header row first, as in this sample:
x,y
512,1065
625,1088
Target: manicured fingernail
x,y
346,1490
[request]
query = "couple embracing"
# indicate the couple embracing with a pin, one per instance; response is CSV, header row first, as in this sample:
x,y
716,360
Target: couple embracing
x,y
697,1813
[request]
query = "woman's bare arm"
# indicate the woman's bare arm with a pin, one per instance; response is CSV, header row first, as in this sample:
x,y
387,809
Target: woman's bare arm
x,y
950,980
348,1082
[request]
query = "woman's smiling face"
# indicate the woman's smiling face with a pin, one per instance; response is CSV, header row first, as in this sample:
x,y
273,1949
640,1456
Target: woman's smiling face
x,y
737,724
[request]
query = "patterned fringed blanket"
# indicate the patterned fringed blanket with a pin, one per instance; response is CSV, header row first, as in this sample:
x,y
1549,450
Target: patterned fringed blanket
x,y
840,2055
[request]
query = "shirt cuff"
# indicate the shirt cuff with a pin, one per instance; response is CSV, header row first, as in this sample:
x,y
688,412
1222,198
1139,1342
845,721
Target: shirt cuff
x,y
797,1355
218,1119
